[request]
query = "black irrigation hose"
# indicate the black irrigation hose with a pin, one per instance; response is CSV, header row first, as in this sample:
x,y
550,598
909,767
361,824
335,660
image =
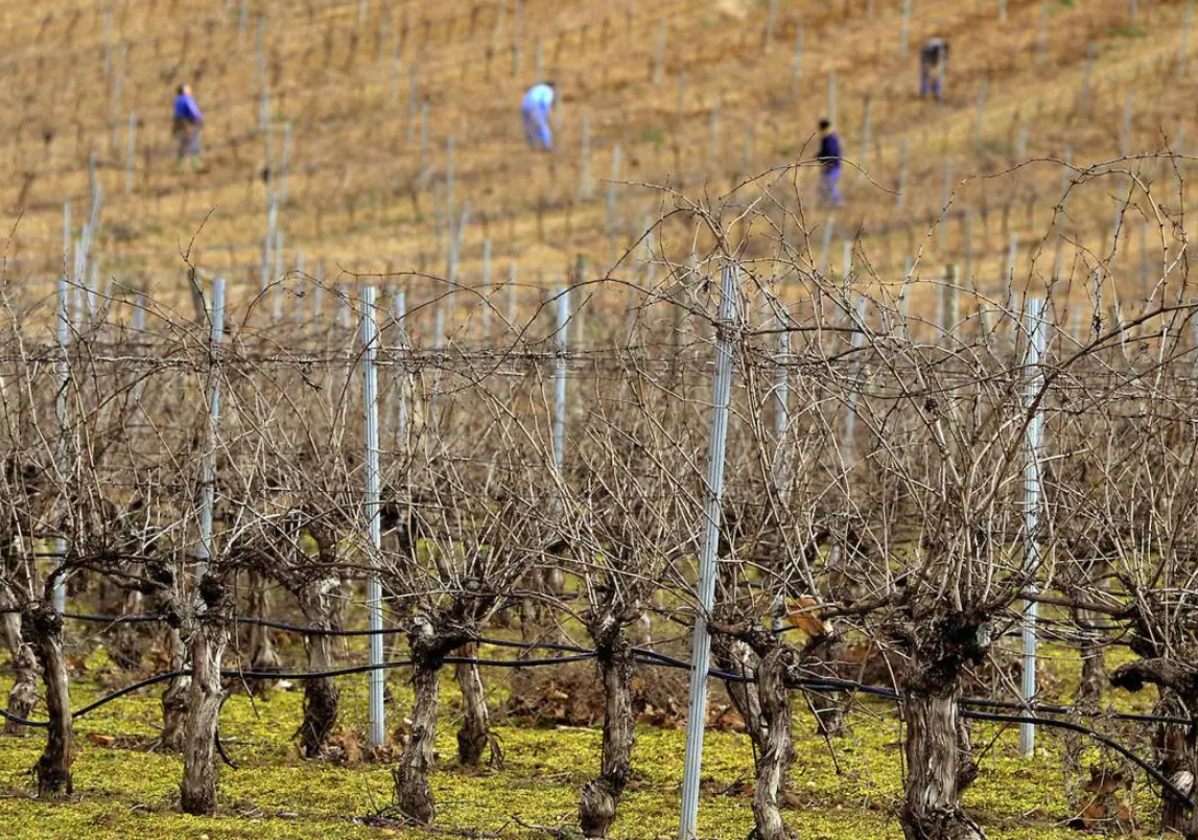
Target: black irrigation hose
x,y
1065,710
400,663
1050,723
120,692
1097,736
103,701
644,656
653,657
292,675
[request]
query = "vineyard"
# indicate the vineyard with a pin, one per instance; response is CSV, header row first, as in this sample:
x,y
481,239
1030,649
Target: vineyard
x,y
385,478
892,513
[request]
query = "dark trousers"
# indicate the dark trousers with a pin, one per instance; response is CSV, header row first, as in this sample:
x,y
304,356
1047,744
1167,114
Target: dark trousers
x,y
187,135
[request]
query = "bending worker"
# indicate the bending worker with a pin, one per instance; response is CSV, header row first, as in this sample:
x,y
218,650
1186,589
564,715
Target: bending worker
x,y
535,109
829,164
187,124
933,58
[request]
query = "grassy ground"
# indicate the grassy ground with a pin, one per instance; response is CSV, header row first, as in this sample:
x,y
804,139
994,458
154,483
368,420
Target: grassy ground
x,y
847,789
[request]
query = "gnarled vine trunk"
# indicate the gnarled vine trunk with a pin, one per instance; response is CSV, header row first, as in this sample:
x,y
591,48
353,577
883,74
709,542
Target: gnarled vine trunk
x,y
822,654
198,790
601,796
475,732
321,696
175,696
127,637
936,767
1177,759
939,762
735,657
263,656
10,621
54,766
22,697
537,622
1089,691
413,794
1176,746
208,642
531,631
778,752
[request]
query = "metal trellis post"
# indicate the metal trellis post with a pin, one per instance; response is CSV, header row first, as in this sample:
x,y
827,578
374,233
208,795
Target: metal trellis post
x,y
486,290
781,401
208,478
374,587
130,150
1034,323
848,447
277,295
511,295
709,546
63,369
559,381
401,340
585,190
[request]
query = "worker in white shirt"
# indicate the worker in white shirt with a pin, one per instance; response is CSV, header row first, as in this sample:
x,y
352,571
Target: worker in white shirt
x,y
535,109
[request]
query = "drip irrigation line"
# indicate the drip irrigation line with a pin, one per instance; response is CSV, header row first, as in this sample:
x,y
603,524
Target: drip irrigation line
x,y
295,675
116,695
1065,710
1049,723
834,684
644,656
1069,726
401,663
149,618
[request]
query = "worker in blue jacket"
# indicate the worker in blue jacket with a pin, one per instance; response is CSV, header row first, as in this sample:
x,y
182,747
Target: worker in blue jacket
x,y
187,124
535,109
829,163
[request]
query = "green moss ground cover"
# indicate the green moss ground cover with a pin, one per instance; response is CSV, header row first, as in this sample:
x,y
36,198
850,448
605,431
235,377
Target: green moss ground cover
x,y
848,789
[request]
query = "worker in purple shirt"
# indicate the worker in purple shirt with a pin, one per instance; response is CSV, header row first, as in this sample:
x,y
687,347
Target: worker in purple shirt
x,y
829,163
187,125
933,61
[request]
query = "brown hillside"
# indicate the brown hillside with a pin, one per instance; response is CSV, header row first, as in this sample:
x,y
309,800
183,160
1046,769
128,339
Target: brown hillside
x,y
366,96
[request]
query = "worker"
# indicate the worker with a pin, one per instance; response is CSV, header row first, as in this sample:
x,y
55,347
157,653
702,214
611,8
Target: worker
x,y
187,125
933,59
535,109
829,163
